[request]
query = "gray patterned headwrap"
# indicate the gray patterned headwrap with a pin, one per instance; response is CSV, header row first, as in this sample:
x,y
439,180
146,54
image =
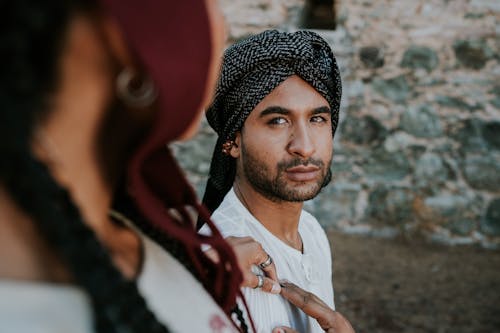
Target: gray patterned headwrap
x,y
251,69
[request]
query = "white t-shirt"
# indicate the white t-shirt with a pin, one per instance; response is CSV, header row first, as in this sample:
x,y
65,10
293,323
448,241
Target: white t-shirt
x,y
172,293
310,270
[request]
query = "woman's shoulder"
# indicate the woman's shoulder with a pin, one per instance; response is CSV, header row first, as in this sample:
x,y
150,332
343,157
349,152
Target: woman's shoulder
x,y
175,295
38,307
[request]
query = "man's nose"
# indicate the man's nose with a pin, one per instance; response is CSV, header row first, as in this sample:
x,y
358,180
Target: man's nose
x,y
302,142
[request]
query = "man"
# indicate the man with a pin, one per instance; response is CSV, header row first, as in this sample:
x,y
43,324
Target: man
x,y
275,112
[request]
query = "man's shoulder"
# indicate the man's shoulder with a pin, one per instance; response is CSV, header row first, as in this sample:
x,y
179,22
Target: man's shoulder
x,y
229,219
309,220
228,211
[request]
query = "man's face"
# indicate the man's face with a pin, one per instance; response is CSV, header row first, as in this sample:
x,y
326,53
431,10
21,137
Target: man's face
x,y
285,146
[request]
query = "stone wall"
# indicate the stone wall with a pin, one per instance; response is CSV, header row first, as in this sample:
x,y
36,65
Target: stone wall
x,y
417,150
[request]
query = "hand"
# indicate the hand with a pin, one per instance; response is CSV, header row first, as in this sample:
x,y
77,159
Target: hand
x,y
250,253
331,321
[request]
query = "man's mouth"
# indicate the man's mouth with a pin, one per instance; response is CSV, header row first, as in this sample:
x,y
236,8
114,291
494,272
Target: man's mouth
x,y
303,173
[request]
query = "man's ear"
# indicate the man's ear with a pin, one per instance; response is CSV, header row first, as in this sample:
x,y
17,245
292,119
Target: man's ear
x,y
235,149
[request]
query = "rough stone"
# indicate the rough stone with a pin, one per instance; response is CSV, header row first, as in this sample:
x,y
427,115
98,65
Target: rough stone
x,y
384,166
447,208
469,135
461,227
355,89
421,121
337,202
371,56
395,89
420,57
472,53
431,170
495,102
456,103
390,205
495,90
491,134
482,171
195,155
486,5
362,131
397,142
490,224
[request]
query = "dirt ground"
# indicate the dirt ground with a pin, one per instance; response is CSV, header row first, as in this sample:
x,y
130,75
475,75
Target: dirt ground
x,y
413,286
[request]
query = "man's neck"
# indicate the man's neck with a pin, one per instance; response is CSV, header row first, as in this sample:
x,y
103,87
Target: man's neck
x,y
281,218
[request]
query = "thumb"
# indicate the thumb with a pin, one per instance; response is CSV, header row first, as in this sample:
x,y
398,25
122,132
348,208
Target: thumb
x,y
284,329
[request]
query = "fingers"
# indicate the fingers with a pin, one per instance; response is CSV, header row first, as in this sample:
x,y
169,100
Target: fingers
x,y
251,253
252,280
271,286
270,271
304,300
284,329
330,320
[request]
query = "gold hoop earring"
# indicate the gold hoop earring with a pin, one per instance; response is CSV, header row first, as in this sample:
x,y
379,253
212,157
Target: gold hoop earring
x,y
135,91
227,146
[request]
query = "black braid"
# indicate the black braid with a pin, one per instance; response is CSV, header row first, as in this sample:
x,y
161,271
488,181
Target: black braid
x,y
239,314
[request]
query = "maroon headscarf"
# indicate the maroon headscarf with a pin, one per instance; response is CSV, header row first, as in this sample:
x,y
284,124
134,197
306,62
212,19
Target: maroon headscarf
x,y
172,41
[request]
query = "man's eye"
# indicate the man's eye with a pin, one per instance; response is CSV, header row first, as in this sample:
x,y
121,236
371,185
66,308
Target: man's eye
x,y
277,121
318,119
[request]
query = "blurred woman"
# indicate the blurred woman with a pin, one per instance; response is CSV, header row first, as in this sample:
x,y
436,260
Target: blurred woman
x,y
87,88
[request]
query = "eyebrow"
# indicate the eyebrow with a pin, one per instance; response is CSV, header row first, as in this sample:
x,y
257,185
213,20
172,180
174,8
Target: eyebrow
x,y
285,111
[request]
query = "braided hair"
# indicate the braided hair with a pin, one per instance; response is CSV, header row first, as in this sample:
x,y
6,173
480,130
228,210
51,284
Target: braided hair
x,y
31,38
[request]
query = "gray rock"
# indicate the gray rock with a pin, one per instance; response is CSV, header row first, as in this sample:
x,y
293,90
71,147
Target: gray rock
x,y
472,53
362,131
384,166
343,170
390,205
337,202
495,90
195,155
398,141
461,227
485,5
395,89
371,56
420,57
456,103
421,121
469,134
482,171
491,134
431,170
453,210
355,89
473,16
495,102
491,222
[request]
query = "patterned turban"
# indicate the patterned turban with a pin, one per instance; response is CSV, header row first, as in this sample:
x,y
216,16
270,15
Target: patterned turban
x,y
253,68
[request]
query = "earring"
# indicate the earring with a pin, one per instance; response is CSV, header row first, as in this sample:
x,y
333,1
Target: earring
x,y
226,146
135,91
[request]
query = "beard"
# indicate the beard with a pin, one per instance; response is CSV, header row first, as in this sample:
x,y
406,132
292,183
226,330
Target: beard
x,y
278,188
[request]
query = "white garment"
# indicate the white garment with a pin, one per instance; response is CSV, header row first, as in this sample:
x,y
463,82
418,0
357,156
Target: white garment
x,y
310,270
172,293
